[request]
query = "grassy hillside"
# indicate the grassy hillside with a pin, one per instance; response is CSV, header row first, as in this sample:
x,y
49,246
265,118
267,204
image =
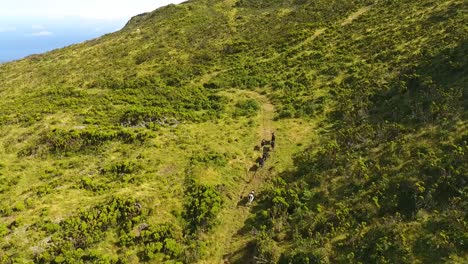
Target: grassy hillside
x,y
141,146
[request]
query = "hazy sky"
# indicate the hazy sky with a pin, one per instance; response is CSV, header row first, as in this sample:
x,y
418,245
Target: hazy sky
x,y
36,26
97,9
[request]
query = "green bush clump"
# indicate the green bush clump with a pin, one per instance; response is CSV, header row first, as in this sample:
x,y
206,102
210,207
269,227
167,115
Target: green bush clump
x,y
73,140
259,3
380,244
50,227
19,206
210,158
123,171
303,257
6,183
249,107
90,184
87,228
3,230
266,250
120,168
161,239
73,239
201,207
286,112
59,141
78,233
443,235
5,209
149,101
143,116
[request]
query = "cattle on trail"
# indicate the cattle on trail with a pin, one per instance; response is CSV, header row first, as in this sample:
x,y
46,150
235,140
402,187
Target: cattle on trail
x,y
251,197
261,162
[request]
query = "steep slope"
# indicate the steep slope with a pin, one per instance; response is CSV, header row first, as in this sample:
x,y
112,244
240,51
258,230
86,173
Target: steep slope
x,y
139,146
387,181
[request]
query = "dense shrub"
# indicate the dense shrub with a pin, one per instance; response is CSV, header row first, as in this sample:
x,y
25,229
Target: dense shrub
x,y
248,107
80,232
59,141
443,235
92,185
163,239
201,207
266,251
3,230
299,257
210,158
381,244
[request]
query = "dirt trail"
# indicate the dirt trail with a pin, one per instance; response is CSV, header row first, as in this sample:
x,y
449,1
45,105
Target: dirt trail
x,y
264,131
238,211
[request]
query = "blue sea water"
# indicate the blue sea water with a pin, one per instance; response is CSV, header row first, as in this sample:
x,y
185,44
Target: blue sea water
x,y
20,37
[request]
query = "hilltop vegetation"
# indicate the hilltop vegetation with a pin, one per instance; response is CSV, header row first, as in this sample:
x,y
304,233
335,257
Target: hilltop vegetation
x,y
139,146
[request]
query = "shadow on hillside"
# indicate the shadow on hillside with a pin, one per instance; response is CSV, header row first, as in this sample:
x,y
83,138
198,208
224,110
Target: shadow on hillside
x,y
430,90
243,201
244,255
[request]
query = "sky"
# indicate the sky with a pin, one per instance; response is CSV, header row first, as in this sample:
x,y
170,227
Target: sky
x,y
36,26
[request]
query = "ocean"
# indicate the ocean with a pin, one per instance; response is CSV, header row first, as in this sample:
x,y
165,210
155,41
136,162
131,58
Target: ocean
x,y
23,37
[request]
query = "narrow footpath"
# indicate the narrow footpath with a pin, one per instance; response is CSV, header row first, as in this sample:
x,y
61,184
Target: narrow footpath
x,y
254,178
